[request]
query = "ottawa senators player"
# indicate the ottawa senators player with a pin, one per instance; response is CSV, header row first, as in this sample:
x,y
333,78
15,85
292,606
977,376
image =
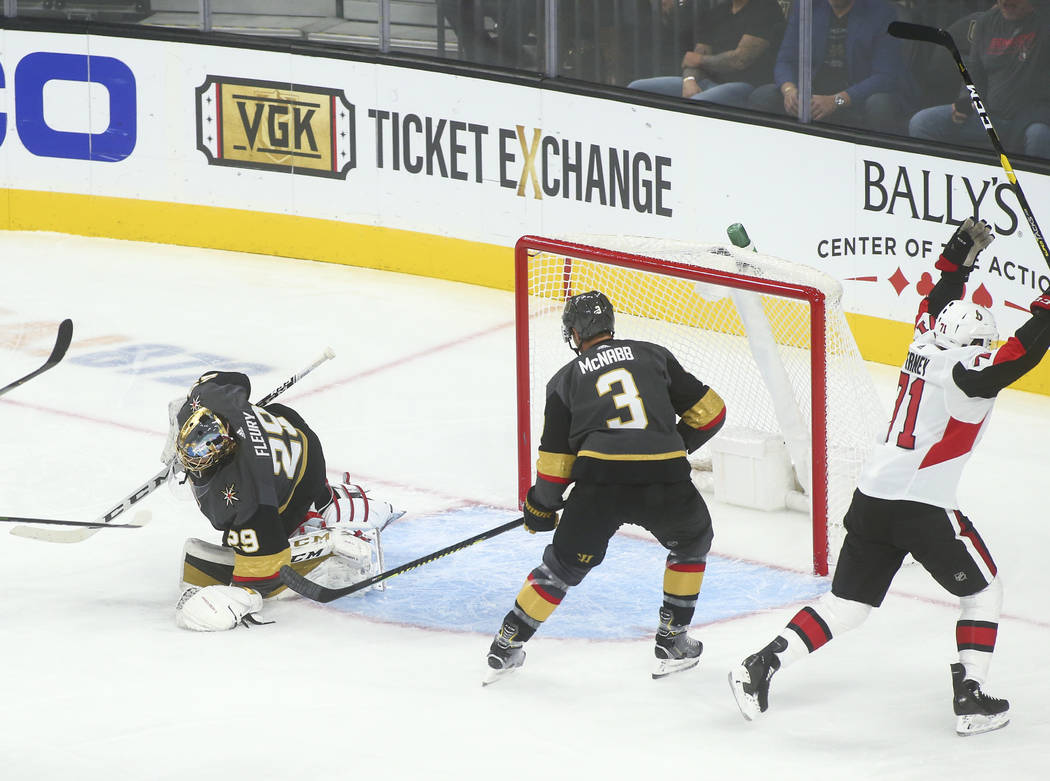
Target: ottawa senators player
x,y
258,475
906,497
618,422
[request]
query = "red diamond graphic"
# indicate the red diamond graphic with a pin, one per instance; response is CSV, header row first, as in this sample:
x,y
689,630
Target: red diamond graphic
x,y
899,281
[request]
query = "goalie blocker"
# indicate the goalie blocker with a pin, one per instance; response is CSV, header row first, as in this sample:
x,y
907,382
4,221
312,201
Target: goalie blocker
x,y
258,474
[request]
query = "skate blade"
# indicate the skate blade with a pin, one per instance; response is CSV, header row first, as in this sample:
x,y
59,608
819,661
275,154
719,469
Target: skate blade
x,y
979,723
494,676
665,667
747,703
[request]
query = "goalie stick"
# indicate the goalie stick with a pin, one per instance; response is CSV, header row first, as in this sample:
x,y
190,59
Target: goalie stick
x,y
141,519
922,32
319,593
151,485
58,352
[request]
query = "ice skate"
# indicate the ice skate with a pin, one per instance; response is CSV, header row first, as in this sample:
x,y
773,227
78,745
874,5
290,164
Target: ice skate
x,y
505,655
750,682
675,650
976,711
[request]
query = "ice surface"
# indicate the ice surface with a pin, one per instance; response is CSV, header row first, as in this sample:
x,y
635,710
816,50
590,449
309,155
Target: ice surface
x,y
98,683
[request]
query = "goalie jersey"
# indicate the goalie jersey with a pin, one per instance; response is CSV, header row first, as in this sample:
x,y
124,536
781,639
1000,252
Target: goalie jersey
x,y
943,404
625,411
261,494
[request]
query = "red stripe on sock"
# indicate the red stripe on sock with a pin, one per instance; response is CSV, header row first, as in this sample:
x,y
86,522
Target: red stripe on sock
x,y
695,567
542,592
979,636
811,630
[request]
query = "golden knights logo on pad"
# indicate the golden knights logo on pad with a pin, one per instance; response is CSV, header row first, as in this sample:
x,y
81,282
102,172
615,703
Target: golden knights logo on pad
x,y
275,126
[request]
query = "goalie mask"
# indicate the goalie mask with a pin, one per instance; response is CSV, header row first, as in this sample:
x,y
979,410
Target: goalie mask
x,y
590,314
204,441
961,324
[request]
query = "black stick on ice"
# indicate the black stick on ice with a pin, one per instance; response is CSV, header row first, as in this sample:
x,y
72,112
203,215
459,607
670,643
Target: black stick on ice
x,y
921,32
58,352
319,593
140,520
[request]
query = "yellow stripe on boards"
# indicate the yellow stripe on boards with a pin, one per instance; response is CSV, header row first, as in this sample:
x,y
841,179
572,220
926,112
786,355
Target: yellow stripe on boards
x,y
332,241
285,235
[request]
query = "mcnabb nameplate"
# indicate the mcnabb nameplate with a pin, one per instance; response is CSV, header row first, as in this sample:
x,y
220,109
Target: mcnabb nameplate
x,y
275,126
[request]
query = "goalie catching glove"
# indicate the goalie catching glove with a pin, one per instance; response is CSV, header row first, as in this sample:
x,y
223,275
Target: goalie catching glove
x,y
217,608
962,249
537,517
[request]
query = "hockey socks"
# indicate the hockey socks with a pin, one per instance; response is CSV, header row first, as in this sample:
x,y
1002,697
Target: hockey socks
x,y
977,629
815,625
682,581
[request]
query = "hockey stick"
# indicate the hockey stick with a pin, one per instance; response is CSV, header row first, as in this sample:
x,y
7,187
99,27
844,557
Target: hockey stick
x,y
319,593
58,352
151,485
921,32
141,519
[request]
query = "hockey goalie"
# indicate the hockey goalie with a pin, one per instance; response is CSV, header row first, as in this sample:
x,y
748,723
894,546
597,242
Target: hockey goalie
x,y
258,475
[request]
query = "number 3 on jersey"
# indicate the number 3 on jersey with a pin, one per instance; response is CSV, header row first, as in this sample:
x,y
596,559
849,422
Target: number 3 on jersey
x,y
912,387
628,399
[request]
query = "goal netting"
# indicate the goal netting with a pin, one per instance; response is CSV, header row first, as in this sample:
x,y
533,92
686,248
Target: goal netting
x,y
768,335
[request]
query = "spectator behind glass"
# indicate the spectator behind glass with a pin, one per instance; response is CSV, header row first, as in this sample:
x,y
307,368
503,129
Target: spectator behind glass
x,y
1010,65
512,22
858,68
734,53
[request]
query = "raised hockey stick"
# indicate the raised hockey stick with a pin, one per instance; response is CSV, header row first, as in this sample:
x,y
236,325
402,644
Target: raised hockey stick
x,y
922,32
151,485
319,593
58,352
141,519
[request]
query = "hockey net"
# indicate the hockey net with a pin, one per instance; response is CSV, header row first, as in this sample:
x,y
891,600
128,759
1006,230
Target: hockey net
x,y
768,335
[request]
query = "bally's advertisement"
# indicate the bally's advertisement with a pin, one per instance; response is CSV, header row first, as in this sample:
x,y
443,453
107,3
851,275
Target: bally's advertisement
x,y
434,173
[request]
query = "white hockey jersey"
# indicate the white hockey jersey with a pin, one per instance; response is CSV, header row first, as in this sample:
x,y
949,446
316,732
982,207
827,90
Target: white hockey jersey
x,y
934,428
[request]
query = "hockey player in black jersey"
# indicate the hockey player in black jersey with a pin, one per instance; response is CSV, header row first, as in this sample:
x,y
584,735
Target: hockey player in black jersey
x,y
618,423
258,475
906,496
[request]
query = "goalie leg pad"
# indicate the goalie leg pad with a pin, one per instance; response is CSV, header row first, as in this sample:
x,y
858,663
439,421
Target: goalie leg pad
x,y
205,564
351,503
217,608
339,556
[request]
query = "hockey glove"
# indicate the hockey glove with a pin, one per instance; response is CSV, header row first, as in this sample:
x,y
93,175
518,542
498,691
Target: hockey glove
x,y
964,246
217,608
1041,306
537,517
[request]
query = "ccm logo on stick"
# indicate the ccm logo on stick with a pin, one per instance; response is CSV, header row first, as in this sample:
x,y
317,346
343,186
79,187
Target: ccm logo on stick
x,y
37,96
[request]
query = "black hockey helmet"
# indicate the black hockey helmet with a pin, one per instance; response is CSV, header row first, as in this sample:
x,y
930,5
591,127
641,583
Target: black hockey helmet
x,y
590,314
204,441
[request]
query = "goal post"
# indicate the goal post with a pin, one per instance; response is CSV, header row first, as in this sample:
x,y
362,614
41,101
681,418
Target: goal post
x,y
769,336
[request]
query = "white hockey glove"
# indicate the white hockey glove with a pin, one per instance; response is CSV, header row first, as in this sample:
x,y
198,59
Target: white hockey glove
x,y
218,608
